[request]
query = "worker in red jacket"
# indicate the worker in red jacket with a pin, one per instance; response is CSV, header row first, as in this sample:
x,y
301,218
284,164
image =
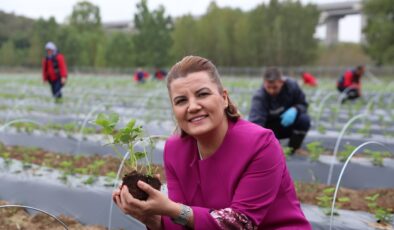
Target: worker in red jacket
x,y
140,75
349,84
54,70
308,79
160,74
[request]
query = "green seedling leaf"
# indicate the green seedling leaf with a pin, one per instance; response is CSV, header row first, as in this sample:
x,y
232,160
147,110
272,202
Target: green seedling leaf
x,y
139,155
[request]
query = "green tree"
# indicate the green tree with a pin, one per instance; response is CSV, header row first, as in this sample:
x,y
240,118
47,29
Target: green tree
x,y
216,34
285,31
379,30
35,51
120,51
8,56
85,28
86,17
47,30
184,37
153,37
100,60
14,27
71,45
277,33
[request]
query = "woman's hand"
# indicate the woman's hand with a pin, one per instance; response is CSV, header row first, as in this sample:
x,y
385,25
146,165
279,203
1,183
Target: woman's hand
x,y
148,212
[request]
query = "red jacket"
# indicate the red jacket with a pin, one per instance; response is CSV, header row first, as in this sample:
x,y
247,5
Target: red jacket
x,y
309,79
143,74
49,73
351,79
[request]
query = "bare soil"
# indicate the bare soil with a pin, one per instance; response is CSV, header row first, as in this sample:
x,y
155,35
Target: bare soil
x,y
307,193
20,219
55,160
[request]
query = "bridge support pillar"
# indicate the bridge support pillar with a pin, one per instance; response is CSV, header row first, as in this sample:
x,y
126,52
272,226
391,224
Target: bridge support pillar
x,y
332,23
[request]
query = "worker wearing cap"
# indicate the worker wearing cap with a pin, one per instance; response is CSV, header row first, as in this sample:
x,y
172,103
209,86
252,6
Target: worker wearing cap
x,y
54,70
280,105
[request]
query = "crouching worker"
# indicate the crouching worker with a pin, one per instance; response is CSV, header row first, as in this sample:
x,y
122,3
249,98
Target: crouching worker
x,y
349,84
280,105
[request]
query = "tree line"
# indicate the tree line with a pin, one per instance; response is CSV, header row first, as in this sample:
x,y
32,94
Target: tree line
x,y
274,33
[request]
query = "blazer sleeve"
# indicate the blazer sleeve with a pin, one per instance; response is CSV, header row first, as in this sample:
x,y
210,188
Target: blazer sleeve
x,y
202,217
261,181
174,190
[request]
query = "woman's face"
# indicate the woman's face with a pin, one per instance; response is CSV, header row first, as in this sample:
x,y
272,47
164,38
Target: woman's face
x,y
197,104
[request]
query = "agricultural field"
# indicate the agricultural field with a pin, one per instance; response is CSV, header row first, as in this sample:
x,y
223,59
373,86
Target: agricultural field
x,y
54,157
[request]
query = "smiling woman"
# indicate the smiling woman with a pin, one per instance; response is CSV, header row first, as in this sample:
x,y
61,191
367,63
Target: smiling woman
x,y
222,172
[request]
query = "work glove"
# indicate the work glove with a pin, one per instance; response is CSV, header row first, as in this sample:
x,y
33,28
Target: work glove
x,y
288,117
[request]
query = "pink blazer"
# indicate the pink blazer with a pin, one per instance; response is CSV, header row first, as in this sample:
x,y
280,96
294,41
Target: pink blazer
x,y
247,173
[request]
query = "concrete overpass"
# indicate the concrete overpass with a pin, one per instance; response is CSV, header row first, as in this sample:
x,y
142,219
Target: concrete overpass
x,y
331,13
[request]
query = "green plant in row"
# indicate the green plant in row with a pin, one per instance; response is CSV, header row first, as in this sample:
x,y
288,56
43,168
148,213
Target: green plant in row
x,y
382,215
315,149
344,154
321,129
365,130
326,198
377,157
6,158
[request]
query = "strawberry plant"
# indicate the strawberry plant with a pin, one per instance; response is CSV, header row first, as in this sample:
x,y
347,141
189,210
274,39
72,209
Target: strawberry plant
x,y
315,149
127,138
344,154
382,215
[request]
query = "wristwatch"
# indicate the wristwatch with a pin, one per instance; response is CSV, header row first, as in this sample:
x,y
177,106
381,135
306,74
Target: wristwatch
x,y
184,216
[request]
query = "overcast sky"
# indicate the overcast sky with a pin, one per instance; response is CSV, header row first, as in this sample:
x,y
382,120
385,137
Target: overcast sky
x,y
116,10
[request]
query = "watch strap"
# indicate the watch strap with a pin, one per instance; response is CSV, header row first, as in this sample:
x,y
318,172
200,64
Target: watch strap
x,y
184,215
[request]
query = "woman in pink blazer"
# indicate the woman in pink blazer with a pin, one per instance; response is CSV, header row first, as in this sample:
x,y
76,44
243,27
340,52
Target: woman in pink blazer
x,y
222,172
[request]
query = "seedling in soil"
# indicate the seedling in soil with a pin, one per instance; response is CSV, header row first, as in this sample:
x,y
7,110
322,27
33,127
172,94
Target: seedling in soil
x,y
334,114
6,158
67,167
315,149
325,201
94,168
382,215
70,127
128,137
366,129
342,156
110,179
90,180
26,160
321,129
81,170
377,157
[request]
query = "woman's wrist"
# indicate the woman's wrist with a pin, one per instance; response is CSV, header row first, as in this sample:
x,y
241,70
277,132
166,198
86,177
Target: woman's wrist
x,y
154,223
